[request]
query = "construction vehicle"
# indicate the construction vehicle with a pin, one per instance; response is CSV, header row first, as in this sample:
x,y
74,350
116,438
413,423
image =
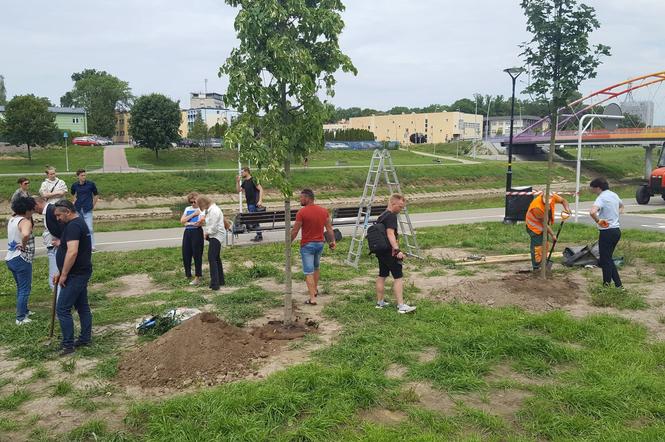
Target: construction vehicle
x,y
656,183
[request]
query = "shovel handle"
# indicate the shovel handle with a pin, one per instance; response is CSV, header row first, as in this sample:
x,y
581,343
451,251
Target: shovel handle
x,y
55,298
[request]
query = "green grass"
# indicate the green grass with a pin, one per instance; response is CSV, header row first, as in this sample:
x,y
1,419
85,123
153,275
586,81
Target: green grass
x,y
463,148
79,158
246,303
602,296
62,388
13,400
613,163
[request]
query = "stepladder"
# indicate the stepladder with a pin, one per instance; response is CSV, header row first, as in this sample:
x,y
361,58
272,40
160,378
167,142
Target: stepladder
x,y
381,169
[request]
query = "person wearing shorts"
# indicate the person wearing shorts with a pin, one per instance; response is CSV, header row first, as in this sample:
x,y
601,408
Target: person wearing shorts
x,y
390,261
312,219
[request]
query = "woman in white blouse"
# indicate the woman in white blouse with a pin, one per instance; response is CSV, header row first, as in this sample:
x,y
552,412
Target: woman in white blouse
x,y
215,233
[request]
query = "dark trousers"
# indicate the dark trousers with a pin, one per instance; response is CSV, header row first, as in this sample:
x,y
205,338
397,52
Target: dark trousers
x,y
74,294
607,242
251,208
192,247
215,262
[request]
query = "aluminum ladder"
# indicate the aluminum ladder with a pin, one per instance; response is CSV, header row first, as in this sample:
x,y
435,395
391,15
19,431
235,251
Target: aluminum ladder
x,y
380,165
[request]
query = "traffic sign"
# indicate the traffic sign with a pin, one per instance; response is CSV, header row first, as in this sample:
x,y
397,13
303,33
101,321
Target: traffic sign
x,y
65,135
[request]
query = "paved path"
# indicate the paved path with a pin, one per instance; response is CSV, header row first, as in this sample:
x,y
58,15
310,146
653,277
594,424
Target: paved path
x,y
115,160
443,157
151,239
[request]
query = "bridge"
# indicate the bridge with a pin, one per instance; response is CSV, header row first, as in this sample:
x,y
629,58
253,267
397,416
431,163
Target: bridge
x,y
533,136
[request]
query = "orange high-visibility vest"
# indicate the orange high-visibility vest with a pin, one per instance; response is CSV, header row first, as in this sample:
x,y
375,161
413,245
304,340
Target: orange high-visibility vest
x,y
536,213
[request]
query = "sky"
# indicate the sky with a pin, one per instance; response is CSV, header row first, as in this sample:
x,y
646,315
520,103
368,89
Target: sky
x,y
408,53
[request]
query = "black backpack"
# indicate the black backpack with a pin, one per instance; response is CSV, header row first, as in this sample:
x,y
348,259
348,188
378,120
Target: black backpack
x,y
377,239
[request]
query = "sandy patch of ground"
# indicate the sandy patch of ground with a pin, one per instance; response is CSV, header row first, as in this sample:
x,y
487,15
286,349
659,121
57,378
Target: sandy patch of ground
x,y
383,416
128,286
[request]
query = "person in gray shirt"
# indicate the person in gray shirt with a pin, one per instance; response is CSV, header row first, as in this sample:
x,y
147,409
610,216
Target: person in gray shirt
x,y
605,212
22,191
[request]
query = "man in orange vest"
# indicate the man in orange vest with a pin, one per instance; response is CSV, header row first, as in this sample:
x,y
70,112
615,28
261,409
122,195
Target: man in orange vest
x,y
535,218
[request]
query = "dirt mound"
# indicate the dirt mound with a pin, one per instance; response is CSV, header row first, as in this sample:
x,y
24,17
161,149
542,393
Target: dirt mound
x,y
201,350
527,291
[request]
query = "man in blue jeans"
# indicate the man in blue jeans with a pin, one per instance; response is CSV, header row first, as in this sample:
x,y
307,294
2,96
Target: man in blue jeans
x,y
312,219
85,199
253,195
74,259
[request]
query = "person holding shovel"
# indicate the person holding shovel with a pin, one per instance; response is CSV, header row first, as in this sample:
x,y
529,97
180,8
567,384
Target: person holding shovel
x,y
535,221
605,212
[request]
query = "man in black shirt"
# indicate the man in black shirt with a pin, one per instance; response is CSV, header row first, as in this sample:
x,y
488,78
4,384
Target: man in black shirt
x,y
253,195
390,261
74,260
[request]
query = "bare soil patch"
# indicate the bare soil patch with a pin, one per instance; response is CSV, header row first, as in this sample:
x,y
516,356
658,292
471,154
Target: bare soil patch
x,y
431,398
205,350
395,371
427,355
131,285
383,416
524,290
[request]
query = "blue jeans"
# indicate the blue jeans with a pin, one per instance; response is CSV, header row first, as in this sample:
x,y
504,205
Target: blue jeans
x,y
87,217
22,272
251,208
311,257
74,294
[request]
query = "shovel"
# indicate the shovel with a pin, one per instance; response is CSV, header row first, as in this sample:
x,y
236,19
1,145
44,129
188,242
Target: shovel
x,y
51,329
564,217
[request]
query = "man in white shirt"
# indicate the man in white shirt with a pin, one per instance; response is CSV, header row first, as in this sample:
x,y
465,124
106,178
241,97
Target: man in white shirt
x,y
605,212
215,233
53,188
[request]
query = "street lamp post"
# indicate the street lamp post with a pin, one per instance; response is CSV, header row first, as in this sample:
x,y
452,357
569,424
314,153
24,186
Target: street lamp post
x,y
580,132
514,73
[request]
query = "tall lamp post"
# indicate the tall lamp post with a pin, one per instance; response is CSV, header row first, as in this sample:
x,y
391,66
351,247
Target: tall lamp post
x,y
514,73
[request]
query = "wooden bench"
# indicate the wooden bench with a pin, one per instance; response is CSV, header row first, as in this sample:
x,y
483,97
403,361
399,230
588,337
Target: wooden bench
x,y
274,220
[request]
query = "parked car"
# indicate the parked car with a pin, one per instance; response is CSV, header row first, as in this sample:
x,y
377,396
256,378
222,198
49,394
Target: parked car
x,y
84,141
101,141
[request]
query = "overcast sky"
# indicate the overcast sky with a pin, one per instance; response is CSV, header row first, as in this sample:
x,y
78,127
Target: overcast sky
x,y
410,53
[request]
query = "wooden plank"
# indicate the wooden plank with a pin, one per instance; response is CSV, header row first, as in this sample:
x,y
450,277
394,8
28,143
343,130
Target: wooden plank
x,y
497,259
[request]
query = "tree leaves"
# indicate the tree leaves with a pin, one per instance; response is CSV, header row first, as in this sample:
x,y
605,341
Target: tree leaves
x,y
155,122
28,121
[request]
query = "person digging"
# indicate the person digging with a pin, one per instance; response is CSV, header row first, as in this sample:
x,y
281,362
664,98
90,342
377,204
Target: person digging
x,y
535,220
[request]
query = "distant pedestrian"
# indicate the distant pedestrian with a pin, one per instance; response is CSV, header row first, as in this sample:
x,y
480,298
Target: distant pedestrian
x,y
253,195
22,191
74,260
85,199
192,239
50,236
215,233
306,162
52,188
390,261
20,252
312,219
605,212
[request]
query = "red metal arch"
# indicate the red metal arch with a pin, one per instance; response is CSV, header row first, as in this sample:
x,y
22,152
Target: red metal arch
x,y
602,96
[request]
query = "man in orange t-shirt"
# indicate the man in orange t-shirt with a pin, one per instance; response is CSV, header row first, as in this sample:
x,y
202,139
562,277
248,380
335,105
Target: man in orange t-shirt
x,y
312,219
535,222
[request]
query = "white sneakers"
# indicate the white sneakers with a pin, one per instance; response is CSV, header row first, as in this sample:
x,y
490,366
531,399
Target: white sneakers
x,y
405,308
23,321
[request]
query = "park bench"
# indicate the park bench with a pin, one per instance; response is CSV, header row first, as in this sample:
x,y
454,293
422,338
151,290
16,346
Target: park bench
x,y
274,220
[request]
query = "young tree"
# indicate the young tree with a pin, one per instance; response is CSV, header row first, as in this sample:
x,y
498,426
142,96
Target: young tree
x,y
288,53
560,58
99,93
155,122
28,121
3,91
199,131
218,130
631,121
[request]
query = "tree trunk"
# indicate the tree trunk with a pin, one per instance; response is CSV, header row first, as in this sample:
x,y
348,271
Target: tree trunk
x,y
288,286
156,153
29,153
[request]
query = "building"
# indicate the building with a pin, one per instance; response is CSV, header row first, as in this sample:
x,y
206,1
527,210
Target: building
x,y
642,109
121,134
73,119
208,105
210,100
438,127
500,126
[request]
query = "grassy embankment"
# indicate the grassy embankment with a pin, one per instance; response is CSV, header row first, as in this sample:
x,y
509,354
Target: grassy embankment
x,y
597,378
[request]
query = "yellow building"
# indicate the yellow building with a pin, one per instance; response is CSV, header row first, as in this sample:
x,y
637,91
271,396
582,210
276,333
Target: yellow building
x,y
121,135
184,124
439,127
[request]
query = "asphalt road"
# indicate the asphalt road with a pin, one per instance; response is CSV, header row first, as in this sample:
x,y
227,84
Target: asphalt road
x,y
151,239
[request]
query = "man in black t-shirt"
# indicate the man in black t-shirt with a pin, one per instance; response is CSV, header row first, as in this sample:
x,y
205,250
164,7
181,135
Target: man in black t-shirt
x,y
253,195
74,260
390,261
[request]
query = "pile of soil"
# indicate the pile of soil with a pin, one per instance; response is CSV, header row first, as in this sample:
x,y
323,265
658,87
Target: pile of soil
x,y
201,350
524,290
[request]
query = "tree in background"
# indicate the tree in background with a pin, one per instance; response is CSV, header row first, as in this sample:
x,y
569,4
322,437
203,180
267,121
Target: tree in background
x,y
28,121
349,135
155,122
289,51
3,91
631,121
218,130
199,131
99,93
560,57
